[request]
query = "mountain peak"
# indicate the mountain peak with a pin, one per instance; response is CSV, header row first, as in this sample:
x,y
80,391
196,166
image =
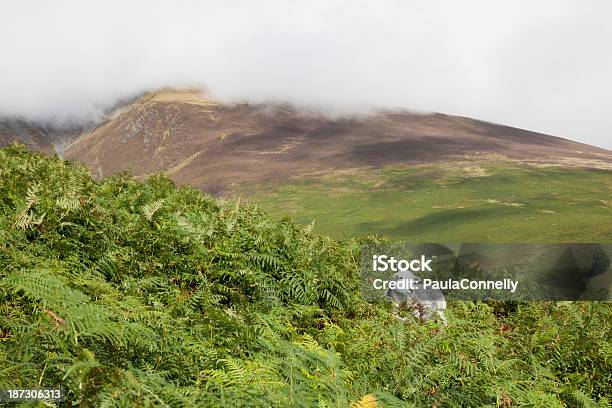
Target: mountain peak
x,y
212,145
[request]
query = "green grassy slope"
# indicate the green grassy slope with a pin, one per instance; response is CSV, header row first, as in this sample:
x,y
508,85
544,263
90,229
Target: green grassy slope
x,y
454,202
132,293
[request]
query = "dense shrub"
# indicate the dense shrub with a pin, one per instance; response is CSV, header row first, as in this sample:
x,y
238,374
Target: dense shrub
x,y
142,293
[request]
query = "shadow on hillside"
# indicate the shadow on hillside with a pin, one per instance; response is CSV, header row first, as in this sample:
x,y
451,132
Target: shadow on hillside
x,y
440,220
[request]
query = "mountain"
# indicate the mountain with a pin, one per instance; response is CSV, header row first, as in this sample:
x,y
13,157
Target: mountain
x,y
417,177
43,137
216,146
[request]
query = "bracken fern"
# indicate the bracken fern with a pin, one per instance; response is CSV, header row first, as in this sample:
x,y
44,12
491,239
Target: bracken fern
x,y
132,293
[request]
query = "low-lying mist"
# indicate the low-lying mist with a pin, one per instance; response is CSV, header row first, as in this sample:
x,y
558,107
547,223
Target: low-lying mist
x,y
538,65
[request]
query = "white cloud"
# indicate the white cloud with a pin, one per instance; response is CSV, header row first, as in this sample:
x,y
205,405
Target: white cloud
x,y
541,65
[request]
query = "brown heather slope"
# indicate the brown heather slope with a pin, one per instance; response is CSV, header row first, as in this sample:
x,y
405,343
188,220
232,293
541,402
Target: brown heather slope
x,y
213,146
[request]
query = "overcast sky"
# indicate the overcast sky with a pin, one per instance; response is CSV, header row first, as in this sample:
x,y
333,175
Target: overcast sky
x,y
541,65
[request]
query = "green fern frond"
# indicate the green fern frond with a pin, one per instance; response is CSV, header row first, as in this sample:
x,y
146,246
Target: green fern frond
x,y
149,210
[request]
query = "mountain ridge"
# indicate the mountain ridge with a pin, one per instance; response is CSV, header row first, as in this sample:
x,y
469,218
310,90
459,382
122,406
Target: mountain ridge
x,y
214,146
